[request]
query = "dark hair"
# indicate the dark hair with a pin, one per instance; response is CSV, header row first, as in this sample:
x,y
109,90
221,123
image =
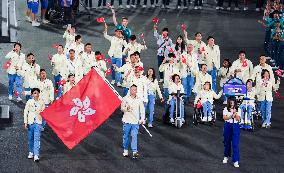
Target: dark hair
x,y
77,37
197,33
98,53
262,55
154,74
242,51
249,80
136,53
165,29
29,54
263,71
19,44
133,86
88,44
71,74
229,64
124,18
207,83
201,65
174,76
71,50
208,38
182,44
171,55
60,45
35,89
41,70
133,54
132,37
232,98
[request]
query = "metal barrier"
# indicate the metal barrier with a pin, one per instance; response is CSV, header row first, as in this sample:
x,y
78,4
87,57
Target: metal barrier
x,y
9,22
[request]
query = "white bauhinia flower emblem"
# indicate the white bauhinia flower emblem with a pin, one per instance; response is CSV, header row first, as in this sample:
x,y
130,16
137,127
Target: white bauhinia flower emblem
x,y
82,109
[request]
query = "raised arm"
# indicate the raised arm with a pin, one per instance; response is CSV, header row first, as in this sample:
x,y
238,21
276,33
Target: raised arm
x,y
114,16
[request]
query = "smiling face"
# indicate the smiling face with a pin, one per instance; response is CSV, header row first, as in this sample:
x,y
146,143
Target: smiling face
x,y
198,37
211,41
124,22
118,33
226,64
60,50
88,48
262,60
190,48
176,79
179,40
35,94
242,56
150,72
207,86
30,59
42,75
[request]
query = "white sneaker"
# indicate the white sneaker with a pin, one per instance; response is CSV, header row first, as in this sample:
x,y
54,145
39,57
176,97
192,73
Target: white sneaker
x,y
221,8
150,125
182,120
242,121
19,99
134,6
257,9
236,9
263,125
163,6
195,8
228,8
125,153
217,8
225,160
224,102
200,7
45,21
204,119
118,84
153,6
144,6
161,80
112,82
10,97
34,23
28,19
172,120
179,7
249,122
36,158
31,155
246,8
236,164
127,6
209,119
185,7
120,6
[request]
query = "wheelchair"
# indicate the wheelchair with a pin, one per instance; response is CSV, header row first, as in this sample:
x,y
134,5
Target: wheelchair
x,y
199,118
177,112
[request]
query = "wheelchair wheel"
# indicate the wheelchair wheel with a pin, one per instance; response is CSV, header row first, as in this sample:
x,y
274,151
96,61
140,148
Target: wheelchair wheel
x,y
178,123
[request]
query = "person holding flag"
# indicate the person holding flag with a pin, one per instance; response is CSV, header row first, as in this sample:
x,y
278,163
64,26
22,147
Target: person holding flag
x,y
74,66
58,62
123,26
134,114
163,42
16,60
33,123
100,63
70,83
133,46
115,53
88,58
242,67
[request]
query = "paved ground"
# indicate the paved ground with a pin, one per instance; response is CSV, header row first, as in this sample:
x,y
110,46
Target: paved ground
x,y
190,149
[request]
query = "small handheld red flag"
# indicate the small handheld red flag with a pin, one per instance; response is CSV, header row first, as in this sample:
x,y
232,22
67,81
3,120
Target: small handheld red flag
x,y
7,65
155,20
100,20
278,72
108,71
108,61
245,63
61,82
183,26
16,93
142,35
183,59
55,45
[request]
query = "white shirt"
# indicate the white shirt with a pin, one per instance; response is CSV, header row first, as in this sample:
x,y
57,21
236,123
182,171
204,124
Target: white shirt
x,y
200,81
264,90
75,67
169,70
251,95
153,88
70,39
229,113
79,48
32,111
212,57
246,71
88,60
136,111
141,83
173,88
256,74
190,66
29,73
67,87
46,90
225,74
116,45
206,95
131,48
163,44
197,45
16,60
58,63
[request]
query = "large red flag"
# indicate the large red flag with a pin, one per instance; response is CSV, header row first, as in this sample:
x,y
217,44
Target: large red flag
x,y
82,109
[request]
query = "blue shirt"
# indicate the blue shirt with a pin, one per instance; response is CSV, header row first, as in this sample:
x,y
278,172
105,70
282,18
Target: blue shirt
x,y
68,2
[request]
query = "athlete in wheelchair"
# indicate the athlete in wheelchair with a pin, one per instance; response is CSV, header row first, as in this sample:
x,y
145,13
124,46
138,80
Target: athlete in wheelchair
x,y
204,109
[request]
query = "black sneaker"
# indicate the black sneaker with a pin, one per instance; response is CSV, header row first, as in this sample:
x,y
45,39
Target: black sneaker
x,y
135,155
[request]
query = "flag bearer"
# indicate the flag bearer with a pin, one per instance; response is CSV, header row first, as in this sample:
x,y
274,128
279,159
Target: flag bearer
x,y
134,114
